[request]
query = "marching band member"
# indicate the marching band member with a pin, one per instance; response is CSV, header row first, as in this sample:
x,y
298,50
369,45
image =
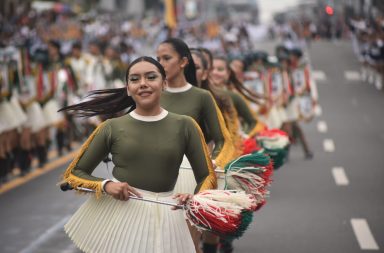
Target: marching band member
x,y
305,97
147,145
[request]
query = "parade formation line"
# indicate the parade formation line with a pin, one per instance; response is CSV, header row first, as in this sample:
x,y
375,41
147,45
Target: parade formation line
x,y
37,172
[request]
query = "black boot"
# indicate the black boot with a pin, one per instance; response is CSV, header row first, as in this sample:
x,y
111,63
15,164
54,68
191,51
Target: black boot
x,y
2,170
41,155
24,161
60,141
209,248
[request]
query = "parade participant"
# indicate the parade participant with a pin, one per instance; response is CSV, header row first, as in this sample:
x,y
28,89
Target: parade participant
x,y
78,64
275,92
222,99
182,97
223,77
210,241
283,56
237,65
147,145
303,89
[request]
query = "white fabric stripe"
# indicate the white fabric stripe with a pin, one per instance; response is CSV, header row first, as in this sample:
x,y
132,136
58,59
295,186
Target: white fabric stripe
x,y
329,145
179,89
364,235
340,176
158,117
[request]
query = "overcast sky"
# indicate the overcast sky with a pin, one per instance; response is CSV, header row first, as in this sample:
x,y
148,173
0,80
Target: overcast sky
x,y
268,7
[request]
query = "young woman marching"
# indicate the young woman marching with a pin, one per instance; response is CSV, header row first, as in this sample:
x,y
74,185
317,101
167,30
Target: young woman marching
x,y
224,102
182,97
147,146
304,97
223,77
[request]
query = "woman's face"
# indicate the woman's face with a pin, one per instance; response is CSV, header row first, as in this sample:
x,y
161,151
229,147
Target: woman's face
x,y
145,85
201,73
238,67
171,61
220,72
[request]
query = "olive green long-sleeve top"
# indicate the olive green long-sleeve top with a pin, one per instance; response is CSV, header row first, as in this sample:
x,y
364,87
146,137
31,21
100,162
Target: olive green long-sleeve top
x,y
200,105
248,121
146,154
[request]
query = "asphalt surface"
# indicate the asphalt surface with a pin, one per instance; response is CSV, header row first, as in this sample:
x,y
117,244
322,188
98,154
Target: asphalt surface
x,y
307,210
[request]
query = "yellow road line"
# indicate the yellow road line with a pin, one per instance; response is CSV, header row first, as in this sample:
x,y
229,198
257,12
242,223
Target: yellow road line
x,y
37,172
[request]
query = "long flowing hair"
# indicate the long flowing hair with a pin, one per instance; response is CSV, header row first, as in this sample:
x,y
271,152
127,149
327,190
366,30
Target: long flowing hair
x,y
108,102
182,50
222,101
235,83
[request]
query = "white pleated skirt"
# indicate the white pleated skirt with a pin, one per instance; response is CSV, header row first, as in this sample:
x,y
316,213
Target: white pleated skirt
x,y
107,225
51,115
292,110
186,182
274,119
19,114
36,120
9,121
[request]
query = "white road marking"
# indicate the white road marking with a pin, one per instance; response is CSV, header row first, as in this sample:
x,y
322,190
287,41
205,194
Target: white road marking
x,y
318,110
329,145
319,75
340,177
352,75
364,235
46,236
322,127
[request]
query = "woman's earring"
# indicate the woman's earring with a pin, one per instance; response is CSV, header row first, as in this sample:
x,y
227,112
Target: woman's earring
x,y
129,94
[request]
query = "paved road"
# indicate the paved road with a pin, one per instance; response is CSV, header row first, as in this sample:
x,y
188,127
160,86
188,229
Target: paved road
x,y
307,210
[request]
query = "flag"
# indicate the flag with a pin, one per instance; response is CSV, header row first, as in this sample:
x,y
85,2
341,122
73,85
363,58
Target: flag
x,y
170,14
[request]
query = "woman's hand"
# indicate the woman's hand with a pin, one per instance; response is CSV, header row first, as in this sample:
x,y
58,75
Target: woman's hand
x,y
120,191
182,198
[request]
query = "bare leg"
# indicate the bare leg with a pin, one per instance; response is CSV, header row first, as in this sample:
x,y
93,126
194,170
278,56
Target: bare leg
x,y
308,153
196,237
211,242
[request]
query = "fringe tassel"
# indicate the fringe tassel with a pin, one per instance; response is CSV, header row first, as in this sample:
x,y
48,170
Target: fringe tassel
x,y
228,151
211,181
233,126
257,129
227,213
75,181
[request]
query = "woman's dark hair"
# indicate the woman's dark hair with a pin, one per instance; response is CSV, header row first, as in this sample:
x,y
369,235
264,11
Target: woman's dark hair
x,y
237,84
209,53
222,101
108,102
182,49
